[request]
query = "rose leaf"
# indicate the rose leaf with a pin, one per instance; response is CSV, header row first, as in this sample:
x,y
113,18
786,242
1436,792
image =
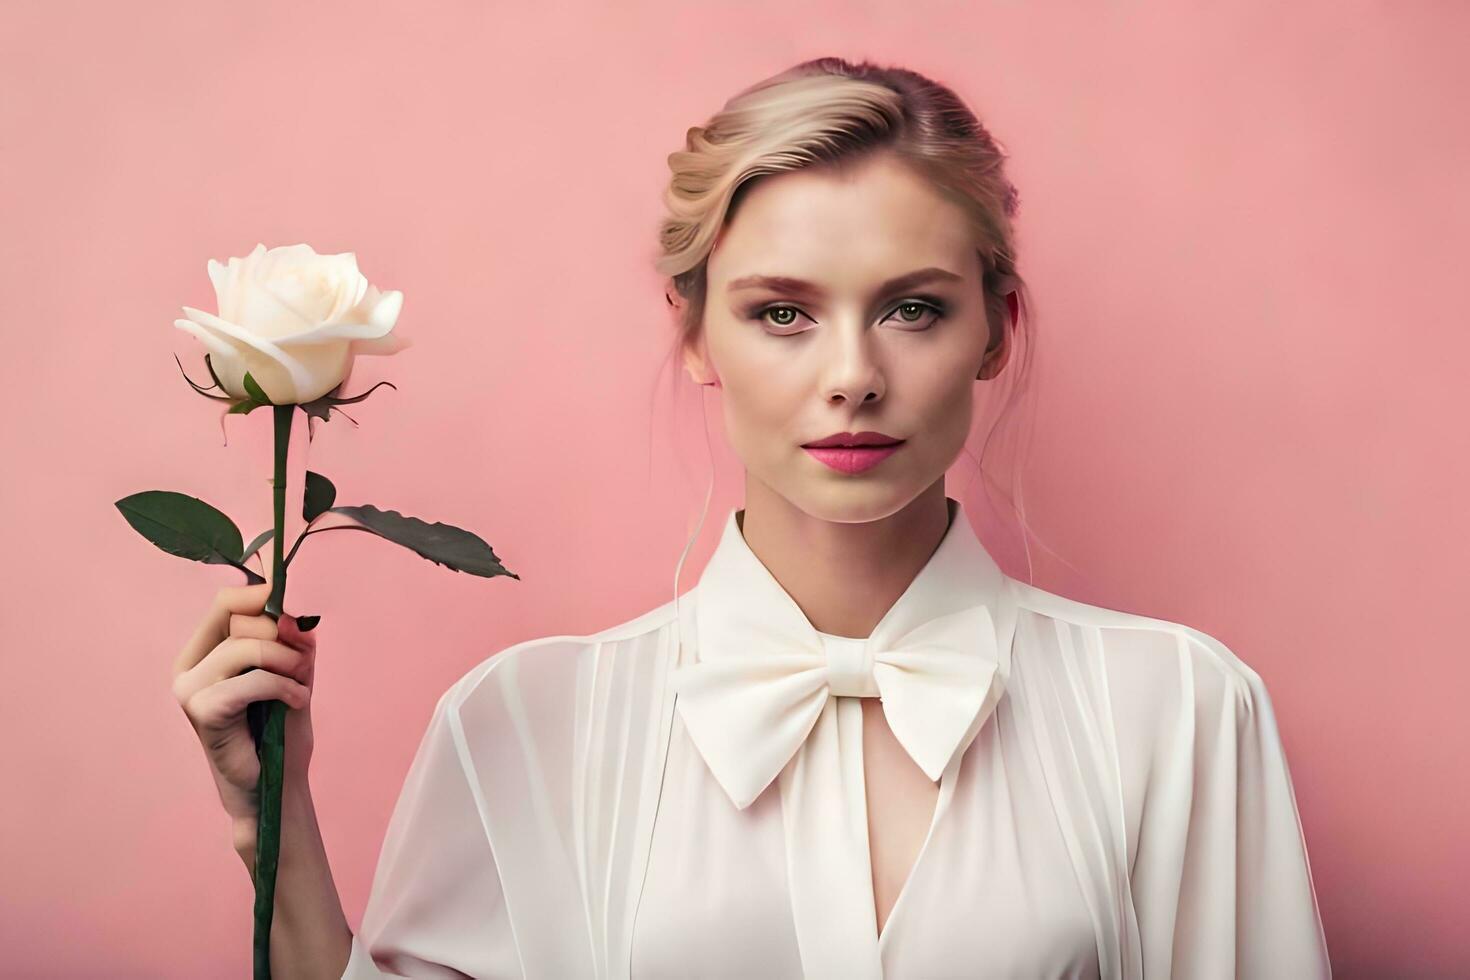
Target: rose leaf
x,y
258,543
443,544
183,525
319,496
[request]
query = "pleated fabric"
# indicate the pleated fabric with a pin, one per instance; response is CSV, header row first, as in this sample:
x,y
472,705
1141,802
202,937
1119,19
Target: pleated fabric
x,y
1123,809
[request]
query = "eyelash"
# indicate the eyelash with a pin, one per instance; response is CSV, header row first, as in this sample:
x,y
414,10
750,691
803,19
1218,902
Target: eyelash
x,y
931,303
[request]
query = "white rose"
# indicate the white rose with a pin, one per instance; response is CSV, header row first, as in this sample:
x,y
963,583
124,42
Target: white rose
x,y
295,320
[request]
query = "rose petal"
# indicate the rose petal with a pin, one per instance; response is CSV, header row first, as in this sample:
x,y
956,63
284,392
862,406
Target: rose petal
x,y
337,331
388,344
326,364
273,260
349,293
385,311
295,253
229,302
314,289
219,275
224,353
301,379
360,289
265,312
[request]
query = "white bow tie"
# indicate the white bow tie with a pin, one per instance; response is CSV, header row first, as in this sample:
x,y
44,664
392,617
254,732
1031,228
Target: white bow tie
x,y
757,691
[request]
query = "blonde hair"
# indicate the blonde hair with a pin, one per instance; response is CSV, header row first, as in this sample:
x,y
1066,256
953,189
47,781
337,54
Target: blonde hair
x,y
832,113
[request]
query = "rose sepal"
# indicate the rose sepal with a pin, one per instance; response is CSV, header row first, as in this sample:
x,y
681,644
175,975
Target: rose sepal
x,y
317,408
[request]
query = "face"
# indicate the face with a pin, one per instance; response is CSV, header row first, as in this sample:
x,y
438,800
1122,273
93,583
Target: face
x,y
845,302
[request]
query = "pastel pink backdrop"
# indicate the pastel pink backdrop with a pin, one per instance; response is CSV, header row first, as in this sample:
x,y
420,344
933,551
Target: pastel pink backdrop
x,y
1246,232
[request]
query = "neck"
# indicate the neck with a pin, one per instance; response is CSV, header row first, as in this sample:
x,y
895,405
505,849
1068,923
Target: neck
x,y
844,576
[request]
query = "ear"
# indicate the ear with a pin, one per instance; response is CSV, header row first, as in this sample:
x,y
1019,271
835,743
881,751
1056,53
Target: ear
x,y
696,363
696,358
996,357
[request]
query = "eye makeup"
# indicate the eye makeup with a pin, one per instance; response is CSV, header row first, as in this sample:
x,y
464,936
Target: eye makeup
x,y
933,305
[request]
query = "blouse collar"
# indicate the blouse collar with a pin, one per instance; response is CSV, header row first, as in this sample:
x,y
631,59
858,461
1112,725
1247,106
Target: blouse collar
x,y
764,672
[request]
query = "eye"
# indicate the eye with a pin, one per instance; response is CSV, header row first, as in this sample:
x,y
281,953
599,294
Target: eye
x,y
912,311
782,311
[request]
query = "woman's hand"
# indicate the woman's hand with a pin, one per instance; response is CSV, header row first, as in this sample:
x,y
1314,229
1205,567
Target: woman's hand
x,y
237,656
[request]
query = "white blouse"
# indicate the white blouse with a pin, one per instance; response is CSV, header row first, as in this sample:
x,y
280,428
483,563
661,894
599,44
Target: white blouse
x,y
682,796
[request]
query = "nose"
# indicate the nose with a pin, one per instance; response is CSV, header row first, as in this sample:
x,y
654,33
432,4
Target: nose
x,y
851,371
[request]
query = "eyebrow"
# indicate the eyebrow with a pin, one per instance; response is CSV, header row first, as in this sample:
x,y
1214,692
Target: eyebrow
x,y
801,287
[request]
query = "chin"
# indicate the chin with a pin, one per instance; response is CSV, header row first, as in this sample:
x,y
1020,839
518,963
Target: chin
x,y
859,500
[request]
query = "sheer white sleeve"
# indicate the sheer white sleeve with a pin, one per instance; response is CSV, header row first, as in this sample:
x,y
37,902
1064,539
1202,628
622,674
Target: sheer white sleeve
x,y
436,908
1221,881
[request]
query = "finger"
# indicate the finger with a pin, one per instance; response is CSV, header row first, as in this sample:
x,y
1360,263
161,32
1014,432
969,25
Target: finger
x,y
306,643
248,600
237,655
253,627
220,705
290,633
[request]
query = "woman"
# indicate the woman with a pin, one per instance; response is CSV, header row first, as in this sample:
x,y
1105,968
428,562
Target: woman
x,y
857,748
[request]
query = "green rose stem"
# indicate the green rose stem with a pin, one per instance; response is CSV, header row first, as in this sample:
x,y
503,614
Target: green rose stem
x,y
270,744
184,525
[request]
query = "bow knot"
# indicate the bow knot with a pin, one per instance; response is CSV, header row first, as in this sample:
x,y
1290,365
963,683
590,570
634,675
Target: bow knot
x,y
755,694
849,668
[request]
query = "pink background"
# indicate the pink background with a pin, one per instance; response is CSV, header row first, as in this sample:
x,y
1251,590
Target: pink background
x,y
1246,232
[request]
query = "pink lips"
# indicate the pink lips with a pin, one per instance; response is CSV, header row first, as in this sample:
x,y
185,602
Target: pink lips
x,y
852,459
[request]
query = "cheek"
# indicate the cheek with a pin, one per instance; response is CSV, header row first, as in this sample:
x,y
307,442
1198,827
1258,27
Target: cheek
x,y
939,387
947,409
764,413
760,411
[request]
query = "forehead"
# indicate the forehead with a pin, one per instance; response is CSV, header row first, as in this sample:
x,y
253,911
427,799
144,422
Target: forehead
x,y
876,217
